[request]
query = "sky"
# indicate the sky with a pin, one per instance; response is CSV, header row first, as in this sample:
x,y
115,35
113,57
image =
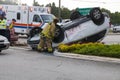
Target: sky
x,y
112,5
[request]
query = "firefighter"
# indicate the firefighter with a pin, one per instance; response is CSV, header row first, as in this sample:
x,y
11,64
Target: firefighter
x,y
12,24
46,36
4,26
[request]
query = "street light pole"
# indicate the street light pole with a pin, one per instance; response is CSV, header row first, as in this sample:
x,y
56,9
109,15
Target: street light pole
x,y
33,2
59,10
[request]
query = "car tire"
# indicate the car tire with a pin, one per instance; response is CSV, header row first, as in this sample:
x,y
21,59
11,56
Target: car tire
x,y
34,31
75,15
59,35
97,16
33,48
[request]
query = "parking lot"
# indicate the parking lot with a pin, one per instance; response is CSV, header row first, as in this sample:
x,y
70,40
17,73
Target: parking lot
x,y
113,38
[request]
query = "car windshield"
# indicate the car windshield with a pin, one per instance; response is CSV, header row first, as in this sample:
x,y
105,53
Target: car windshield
x,y
47,18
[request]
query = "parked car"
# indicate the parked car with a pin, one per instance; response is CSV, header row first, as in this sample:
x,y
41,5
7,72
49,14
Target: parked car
x,y
63,22
4,43
116,29
91,27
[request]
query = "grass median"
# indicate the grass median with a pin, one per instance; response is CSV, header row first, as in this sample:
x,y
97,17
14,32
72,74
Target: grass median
x,y
96,49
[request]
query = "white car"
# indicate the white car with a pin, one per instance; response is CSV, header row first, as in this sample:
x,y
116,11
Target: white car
x,y
116,29
90,28
4,43
63,22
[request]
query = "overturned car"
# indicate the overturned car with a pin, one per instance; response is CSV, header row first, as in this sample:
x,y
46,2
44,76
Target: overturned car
x,y
90,26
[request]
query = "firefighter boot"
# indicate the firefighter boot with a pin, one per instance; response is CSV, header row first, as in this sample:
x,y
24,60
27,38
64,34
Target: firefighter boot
x,y
50,50
40,48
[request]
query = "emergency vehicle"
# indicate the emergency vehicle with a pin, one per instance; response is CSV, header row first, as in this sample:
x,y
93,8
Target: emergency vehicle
x,y
27,17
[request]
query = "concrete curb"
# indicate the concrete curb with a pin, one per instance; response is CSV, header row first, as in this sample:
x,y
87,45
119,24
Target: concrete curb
x,y
78,56
87,57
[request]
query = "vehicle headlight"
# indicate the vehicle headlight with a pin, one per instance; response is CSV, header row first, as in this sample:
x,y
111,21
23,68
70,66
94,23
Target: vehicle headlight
x,y
6,40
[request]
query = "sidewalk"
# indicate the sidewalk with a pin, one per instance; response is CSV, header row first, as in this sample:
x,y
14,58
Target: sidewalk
x,y
87,57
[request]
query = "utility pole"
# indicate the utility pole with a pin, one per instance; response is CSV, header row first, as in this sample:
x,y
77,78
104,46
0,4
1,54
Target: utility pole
x,y
59,10
33,2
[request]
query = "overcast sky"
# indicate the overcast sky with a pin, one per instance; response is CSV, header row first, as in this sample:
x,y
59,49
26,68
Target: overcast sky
x,y
112,5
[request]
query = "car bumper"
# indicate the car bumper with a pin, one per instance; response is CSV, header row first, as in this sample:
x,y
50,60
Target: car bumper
x,y
33,43
115,30
4,45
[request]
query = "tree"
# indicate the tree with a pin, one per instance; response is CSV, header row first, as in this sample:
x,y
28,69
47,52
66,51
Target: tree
x,y
65,13
105,10
54,9
36,4
114,17
48,5
8,2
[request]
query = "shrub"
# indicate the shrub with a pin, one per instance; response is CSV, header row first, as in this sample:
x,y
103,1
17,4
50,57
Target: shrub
x,y
97,49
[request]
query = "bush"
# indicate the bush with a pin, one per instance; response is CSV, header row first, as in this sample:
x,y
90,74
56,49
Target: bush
x,y
97,49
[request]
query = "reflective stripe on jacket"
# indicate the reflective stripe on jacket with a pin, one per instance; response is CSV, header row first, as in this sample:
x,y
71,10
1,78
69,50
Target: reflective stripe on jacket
x,y
3,24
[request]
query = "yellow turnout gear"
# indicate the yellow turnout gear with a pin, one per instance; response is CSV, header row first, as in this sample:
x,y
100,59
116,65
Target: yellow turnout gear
x,y
46,36
3,24
11,26
49,30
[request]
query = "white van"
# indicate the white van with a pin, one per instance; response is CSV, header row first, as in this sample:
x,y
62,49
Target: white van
x,y
27,17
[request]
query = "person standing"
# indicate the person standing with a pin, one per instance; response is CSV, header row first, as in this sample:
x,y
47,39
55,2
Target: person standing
x,y
46,36
13,36
4,26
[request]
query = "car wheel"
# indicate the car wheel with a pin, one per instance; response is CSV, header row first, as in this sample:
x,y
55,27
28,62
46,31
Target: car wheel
x,y
0,50
33,48
97,16
59,35
27,35
75,15
34,31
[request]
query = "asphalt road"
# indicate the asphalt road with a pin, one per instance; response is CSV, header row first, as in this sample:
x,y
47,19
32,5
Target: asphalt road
x,y
22,64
